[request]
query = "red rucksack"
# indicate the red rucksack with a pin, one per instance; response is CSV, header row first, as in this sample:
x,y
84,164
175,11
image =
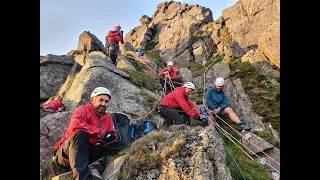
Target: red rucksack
x,y
53,106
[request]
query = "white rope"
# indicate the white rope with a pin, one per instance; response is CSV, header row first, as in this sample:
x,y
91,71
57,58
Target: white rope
x,y
215,123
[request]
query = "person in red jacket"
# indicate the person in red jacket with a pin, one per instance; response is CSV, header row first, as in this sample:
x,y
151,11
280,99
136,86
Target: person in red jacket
x,y
112,42
84,145
167,74
177,103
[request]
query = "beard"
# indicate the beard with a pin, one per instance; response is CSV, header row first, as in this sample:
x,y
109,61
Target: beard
x,y
188,94
101,109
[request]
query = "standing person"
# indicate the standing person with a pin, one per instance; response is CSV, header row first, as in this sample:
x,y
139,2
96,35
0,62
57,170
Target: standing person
x,y
112,42
177,104
84,145
217,102
167,75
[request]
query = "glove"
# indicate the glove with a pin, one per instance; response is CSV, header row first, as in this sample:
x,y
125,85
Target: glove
x,y
109,136
196,117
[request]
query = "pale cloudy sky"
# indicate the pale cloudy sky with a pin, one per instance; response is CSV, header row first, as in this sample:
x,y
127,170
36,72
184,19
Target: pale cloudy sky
x,y
62,21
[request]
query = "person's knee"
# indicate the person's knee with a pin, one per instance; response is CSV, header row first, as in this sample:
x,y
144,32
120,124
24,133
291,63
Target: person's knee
x,y
81,135
228,110
179,120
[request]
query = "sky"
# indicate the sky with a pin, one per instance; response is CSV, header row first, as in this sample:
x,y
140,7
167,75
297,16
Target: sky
x,y
62,21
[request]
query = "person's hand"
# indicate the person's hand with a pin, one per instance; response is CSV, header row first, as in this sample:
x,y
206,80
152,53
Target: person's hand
x,y
120,33
217,110
211,111
109,136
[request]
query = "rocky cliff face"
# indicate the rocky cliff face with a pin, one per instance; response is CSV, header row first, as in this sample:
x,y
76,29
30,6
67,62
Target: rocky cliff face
x,y
256,23
53,72
172,25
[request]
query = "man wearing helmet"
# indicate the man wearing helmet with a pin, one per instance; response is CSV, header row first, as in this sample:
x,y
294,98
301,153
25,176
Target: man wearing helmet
x,y
112,42
84,146
217,102
167,75
177,103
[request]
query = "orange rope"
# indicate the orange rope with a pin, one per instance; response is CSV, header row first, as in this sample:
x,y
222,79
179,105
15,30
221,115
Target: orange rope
x,y
147,113
232,140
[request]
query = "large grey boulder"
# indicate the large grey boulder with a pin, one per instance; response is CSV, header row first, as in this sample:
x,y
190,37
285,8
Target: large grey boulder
x,y
96,72
241,104
53,72
89,42
52,128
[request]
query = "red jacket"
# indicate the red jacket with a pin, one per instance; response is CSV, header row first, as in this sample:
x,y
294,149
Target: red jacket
x,y
179,100
115,37
172,72
84,118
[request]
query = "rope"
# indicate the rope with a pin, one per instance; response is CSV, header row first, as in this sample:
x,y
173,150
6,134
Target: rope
x,y
204,86
234,160
138,119
136,58
233,142
249,141
246,147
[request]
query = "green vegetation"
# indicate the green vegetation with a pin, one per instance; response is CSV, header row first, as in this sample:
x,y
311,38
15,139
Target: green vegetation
x,y
267,135
224,36
155,56
251,169
143,157
142,79
152,44
265,97
194,38
149,101
198,69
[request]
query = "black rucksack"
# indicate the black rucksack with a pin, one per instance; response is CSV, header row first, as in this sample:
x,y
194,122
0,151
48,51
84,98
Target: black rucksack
x,y
142,128
123,127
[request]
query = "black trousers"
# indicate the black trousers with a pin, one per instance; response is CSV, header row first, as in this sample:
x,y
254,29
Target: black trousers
x,y
113,56
78,153
172,116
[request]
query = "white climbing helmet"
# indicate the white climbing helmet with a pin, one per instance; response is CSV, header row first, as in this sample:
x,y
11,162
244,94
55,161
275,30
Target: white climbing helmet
x,y
219,81
170,63
117,25
189,85
100,90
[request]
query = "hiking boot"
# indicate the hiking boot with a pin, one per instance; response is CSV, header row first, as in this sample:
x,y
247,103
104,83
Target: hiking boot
x,y
95,175
119,145
242,126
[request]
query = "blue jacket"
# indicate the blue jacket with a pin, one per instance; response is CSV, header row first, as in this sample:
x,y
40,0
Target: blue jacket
x,y
216,99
